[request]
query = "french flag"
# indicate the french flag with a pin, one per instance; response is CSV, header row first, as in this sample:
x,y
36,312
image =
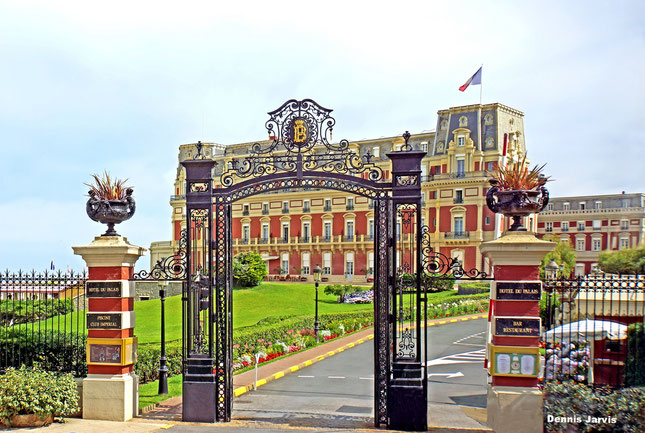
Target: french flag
x,y
475,79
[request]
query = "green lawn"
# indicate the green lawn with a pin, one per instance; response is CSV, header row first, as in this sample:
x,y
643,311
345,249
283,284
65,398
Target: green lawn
x,y
148,392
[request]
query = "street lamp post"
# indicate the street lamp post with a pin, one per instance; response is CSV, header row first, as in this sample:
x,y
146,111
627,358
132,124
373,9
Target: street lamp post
x,y
163,361
317,274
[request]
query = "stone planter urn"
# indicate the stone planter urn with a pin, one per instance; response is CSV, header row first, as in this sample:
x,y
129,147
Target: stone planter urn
x,y
516,203
110,212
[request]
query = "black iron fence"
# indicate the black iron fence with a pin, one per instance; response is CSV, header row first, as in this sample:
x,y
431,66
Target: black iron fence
x,y
593,330
42,320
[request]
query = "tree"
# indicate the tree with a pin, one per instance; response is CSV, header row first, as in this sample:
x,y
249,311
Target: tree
x,y
626,261
248,269
342,290
563,254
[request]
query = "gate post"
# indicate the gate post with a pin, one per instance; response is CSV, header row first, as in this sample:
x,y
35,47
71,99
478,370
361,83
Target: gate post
x,y
513,360
111,388
407,395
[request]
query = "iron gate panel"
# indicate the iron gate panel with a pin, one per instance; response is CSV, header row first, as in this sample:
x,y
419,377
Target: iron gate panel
x,y
296,128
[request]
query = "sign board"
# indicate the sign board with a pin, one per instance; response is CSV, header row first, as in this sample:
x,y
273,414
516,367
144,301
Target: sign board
x,y
517,326
515,361
103,320
104,289
111,351
518,291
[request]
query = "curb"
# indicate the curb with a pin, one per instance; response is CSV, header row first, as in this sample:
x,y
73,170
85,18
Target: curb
x,y
244,389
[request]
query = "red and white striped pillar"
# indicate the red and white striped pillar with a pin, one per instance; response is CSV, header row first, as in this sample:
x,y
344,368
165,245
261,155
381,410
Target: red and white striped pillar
x,y
110,390
513,360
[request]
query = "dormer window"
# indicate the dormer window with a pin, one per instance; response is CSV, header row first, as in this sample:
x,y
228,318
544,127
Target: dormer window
x,y
461,141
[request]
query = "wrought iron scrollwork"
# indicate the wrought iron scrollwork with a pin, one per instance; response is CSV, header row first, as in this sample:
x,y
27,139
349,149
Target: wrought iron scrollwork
x,y
437,265
169,268
304,130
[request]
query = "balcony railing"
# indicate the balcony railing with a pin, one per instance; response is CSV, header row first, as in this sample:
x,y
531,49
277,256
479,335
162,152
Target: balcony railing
x,y
285,210
326,238
244,241
306,209
457,235
305,239
264,241
265,211
284,240
349,207
327,208
177,197
349,238
245,212
458,200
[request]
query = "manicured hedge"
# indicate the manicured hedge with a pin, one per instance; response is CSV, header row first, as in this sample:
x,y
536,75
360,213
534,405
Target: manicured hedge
x,y
52,350
635,364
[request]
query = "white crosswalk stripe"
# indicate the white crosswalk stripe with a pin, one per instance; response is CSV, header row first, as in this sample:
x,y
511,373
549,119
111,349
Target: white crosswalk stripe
x,y
473,357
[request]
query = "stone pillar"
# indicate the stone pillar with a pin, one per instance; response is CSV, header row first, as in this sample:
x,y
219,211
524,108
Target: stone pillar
x,y
514,401
111,389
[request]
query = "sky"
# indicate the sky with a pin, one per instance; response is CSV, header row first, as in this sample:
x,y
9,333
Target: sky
x,y
118,86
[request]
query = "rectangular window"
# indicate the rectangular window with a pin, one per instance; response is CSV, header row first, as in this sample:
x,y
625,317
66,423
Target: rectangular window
x,y
245,233
624,224
349,230
597,205
245,209
265,208
306,265
565,206
349,264
327,263
327,205
306,207
595,224
285,206
580,269
596,244
265,233
549,206
461,167
625,203
370,262
350,203
565,226
305,232
424,146
376,151
285,263
461,141
581,226
285,232
487,220
624,243
582,205
459,224
459,196
327,231
580,244
370,228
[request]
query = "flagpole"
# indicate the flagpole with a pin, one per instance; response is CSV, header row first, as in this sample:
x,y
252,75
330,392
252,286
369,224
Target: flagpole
x,y
481,85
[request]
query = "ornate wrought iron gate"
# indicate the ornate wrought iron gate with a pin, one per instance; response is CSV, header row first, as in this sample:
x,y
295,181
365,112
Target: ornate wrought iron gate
x,y
300,155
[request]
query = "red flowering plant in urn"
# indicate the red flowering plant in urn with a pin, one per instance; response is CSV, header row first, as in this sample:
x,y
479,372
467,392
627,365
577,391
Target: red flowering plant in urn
x,y
517,191
110,202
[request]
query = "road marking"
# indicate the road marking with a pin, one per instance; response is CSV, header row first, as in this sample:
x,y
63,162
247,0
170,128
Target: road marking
x,y
474,357
478,335
366,378
335,377
308,377
447,375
